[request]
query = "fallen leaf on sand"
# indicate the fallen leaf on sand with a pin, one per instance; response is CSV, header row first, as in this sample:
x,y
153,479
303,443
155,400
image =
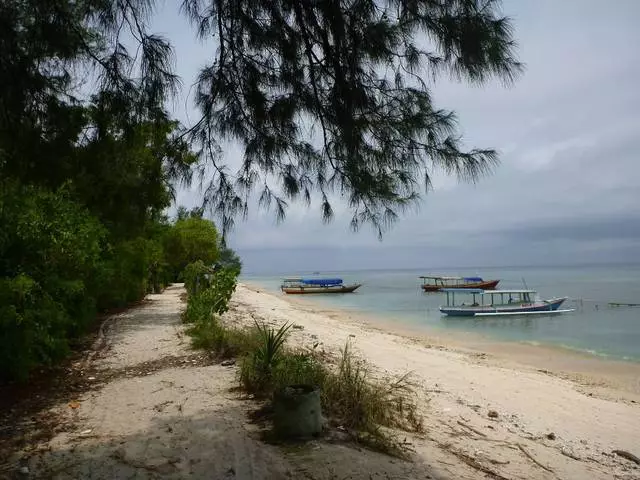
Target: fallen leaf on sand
x,y
74,404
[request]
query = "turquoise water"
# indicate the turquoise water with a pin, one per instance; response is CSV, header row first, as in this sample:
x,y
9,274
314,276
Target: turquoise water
x,y
594,327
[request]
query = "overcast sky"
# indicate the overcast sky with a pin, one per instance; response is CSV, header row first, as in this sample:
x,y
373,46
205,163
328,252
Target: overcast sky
x,y
567,189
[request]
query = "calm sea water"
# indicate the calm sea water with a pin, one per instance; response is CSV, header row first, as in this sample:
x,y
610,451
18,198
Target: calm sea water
x,y
594,327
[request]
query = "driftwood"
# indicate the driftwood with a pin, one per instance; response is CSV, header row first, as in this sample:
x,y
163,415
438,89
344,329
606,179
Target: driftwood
x,y
477,432
469,460
531,457
472,462
627,455
569,454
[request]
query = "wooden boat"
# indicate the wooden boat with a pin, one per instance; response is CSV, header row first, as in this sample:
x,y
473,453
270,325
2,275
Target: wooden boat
x,y
500,302
316,285
432,283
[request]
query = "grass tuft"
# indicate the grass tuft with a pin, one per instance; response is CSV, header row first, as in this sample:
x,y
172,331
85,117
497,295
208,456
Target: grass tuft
x,y
367,407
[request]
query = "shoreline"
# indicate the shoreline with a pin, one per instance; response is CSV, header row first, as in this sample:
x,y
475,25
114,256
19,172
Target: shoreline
x,y
463,336
494,408
595,373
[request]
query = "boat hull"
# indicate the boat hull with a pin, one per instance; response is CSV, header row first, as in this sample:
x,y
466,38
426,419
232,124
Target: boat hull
x,y
484,285
301,290
547,306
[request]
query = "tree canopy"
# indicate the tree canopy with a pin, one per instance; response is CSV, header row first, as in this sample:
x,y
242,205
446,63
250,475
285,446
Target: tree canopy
x,y
328,98
332,96
191,239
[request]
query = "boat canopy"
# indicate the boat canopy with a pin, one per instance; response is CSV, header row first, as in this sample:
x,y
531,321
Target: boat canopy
x,y
477,291
437,277
474,291
498,292
322,281
473,279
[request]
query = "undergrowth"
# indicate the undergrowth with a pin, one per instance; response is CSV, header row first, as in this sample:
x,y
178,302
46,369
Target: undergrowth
x,y
353,398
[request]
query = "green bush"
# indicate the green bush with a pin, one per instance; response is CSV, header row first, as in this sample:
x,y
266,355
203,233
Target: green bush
x,y
213,300
58,268
129,270
204,307
196,277
190,240
33,326
50,249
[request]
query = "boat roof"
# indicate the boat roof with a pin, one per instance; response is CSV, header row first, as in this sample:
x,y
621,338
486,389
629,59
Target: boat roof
x,y
462,290
484,292
292,279
497,292
439,277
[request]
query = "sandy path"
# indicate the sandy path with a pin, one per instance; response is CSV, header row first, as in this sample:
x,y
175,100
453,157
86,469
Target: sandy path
x,y
161,410
161,414
461,389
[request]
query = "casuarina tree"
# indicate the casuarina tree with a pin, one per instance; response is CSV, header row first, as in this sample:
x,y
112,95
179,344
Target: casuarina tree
x,y
333,97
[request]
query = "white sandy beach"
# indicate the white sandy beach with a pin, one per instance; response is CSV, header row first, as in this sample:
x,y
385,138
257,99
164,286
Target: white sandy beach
x,y
157,409
588,416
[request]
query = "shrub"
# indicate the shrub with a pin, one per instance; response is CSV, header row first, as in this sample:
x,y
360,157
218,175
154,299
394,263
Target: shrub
x,y
203,310
257,372
196,277
190,240
58,267
50,249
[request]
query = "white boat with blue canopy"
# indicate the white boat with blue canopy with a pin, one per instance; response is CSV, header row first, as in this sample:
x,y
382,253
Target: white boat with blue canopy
x,y
500,302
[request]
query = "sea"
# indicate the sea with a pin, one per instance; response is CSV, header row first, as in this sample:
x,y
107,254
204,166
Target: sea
x,y
595,327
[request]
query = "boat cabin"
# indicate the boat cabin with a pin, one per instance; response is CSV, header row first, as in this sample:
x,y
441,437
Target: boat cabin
x,y
480,297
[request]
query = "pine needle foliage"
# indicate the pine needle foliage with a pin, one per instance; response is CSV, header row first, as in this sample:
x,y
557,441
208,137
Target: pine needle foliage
x,y
333,97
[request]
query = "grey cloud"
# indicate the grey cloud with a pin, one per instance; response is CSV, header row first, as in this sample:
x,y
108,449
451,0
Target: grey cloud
x,y
626,228
569,184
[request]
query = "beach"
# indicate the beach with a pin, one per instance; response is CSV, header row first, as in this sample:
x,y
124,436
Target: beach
x,y
141,403
525,411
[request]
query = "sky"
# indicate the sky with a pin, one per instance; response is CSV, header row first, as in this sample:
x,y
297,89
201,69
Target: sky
x,y
567,189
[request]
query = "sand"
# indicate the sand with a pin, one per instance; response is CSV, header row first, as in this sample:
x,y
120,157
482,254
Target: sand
x,y
587,415
161,410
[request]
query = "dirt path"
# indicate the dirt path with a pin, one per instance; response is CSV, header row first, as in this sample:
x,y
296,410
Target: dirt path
x,y
157,409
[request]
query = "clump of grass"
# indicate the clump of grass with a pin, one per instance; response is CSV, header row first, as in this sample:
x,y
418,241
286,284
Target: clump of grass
x,y
224,342
359,399
208,333
364,405
368,408
352,397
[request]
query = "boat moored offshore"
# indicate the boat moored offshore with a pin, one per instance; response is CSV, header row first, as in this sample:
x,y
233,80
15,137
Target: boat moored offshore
x,y
500,302
435,283
316,285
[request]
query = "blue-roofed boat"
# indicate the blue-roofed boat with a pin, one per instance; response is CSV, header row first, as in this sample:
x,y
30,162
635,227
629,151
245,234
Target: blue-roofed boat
x,y
316,285
435,283
500,302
